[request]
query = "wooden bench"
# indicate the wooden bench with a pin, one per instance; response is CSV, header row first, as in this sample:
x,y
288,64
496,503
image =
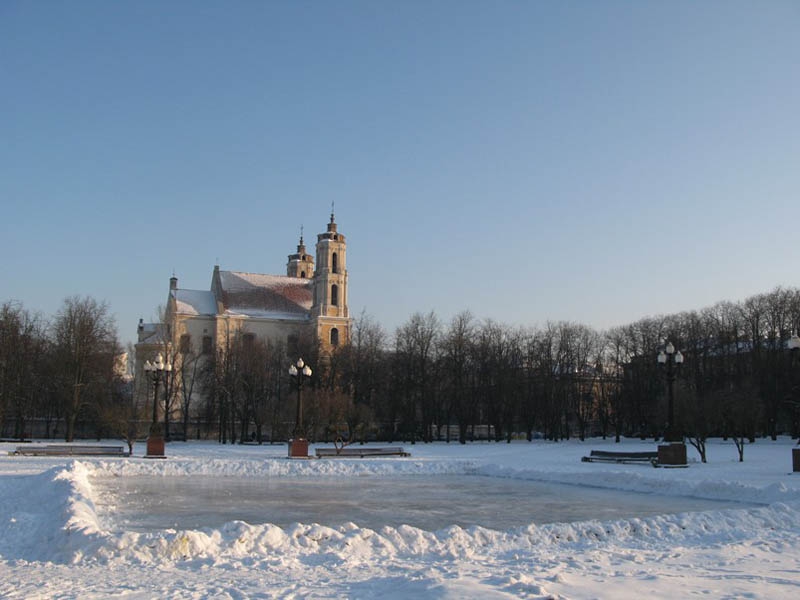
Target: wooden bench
x,y
360,452
69,450
621,457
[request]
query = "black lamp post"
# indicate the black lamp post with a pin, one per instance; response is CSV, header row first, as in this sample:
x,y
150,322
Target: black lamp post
x,y
794,345
157,370
794,349
298,447
672,361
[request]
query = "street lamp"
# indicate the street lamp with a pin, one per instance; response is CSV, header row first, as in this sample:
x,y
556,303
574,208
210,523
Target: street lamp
x,y
298,447
155,371
672,360
794,345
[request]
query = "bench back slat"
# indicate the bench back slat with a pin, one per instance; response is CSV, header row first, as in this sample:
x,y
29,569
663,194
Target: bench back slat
x,y
628,455
70,450
361,452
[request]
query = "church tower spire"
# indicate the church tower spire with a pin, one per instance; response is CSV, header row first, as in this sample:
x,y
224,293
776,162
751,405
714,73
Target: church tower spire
x,y
300,264
329,310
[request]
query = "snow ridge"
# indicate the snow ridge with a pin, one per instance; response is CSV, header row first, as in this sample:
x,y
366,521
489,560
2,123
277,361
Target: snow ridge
x,y
53,517
238,541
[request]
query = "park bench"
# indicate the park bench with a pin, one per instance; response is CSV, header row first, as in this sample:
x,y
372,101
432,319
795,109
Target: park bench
x,y
360,452
69,450
621,457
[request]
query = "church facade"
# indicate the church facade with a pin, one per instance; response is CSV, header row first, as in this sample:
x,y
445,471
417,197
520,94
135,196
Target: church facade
x,y
311,299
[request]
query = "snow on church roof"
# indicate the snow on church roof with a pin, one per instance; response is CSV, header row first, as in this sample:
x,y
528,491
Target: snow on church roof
x,y
257,295
195,302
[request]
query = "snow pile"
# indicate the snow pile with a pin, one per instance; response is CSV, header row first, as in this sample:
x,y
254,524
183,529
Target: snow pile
x,y
283,468
50,516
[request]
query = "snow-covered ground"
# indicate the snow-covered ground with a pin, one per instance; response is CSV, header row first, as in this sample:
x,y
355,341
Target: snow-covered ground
x,y
54,544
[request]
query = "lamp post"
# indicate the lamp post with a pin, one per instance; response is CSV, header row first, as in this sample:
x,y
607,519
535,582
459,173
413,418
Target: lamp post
x,y
674,451
794,346
672,361
155,371
298,446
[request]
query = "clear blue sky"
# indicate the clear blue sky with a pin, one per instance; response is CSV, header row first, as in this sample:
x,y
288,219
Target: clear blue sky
x,y
530,161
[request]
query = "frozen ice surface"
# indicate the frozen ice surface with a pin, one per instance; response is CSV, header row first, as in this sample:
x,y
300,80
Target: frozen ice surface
x,y
151,503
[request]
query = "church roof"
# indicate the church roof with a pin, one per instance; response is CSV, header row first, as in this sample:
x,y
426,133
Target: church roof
x,y
257,295
195,302
150,333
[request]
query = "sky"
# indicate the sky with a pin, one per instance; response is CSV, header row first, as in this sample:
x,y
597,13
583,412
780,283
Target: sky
x,y
531,161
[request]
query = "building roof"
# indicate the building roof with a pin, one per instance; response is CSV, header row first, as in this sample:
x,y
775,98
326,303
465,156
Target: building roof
x,y
267,296
195,302
150,333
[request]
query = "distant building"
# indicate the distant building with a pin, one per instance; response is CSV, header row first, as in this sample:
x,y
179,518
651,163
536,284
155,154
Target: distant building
x,y
308,300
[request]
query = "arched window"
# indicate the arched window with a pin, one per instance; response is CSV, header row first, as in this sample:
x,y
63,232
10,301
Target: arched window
x,y
335,263
248,340
335,295
334,337
302,274
292,343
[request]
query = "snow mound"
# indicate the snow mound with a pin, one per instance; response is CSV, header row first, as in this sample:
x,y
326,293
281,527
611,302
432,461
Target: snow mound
x,y
51,517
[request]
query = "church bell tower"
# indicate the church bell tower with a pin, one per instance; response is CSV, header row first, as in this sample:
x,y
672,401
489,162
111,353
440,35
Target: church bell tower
x,y
300,264
329,310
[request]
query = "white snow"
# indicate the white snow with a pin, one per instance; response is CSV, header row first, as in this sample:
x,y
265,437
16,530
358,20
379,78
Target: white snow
x,y
195,302
52,542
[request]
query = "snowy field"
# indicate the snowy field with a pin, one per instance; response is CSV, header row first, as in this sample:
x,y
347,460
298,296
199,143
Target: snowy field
x,y
55,538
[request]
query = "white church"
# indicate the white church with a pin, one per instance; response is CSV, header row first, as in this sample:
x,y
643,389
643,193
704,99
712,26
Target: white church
x,y
310,299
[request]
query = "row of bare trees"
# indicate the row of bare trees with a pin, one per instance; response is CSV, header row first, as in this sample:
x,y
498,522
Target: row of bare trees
x,y
59,372
248,395
461,380
443,381
471,378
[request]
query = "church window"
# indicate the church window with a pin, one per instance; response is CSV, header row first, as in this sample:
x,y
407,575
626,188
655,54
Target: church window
x,y
248,339
185,344
292,344
334,337
207,344
335,263
302,274
335,295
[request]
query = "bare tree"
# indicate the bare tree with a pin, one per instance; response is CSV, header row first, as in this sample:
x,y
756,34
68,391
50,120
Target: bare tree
x,y
363,372
23,364
415,349
86,347
186,370
460,399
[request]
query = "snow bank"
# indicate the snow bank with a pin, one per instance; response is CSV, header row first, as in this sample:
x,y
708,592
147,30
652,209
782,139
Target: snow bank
x,y
283,468
238,540
49,516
